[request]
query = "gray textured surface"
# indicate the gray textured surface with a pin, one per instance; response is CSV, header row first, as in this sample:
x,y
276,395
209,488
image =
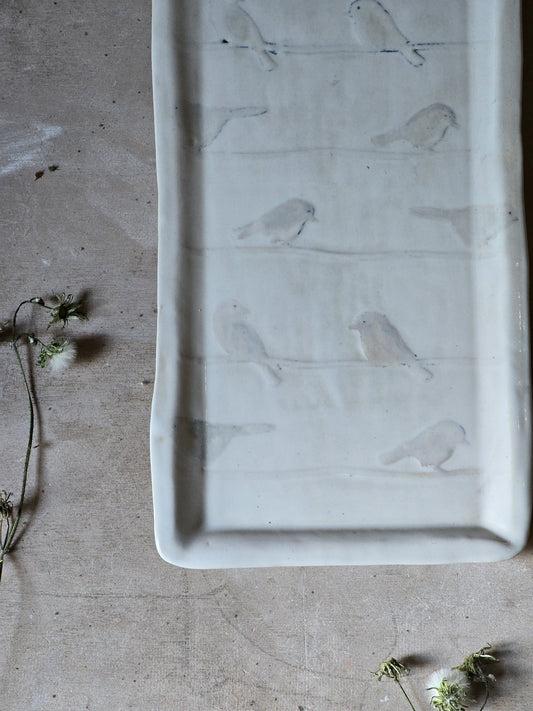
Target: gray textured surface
x,y
90,617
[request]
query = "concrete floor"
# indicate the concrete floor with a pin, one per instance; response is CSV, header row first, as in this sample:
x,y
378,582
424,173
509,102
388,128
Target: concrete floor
x,y
90,616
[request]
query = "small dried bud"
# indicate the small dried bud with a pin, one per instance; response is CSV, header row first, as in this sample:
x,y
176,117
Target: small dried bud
x,y
59,354
6,507
448,690
472,665
393,669
65,310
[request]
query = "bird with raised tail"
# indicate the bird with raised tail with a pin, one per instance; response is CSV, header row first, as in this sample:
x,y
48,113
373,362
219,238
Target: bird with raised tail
x,y
432,447
203,440
240,340
236,27
475,224
375,29
383,345
423,130
281,225
202,124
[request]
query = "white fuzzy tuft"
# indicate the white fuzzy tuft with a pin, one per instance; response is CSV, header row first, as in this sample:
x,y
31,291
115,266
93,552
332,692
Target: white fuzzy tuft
x,y
61,360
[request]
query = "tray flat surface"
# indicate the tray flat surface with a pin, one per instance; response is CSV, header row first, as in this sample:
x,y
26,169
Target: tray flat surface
x,y
342,365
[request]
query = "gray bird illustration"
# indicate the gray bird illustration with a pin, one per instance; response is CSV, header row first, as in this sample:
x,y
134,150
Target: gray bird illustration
x,y
203,440
375,29
432,447
423,130
282,224
203,124
236,27
475,224
383,345
240,340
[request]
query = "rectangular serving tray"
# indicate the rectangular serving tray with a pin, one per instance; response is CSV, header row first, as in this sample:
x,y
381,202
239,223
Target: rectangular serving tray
x,y
342,367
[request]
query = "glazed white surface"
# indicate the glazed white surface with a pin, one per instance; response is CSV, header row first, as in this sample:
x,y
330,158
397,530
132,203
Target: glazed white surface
x,y
342,364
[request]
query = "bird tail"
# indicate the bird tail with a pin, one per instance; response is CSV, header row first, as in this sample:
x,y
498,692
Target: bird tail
x,y
273,376
246,231
248,111
432,213
256,428
412,55
422,372
266,60
394,455
383,139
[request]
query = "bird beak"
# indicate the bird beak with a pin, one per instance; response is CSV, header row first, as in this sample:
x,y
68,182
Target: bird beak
x,y
313,219
455,123
353,327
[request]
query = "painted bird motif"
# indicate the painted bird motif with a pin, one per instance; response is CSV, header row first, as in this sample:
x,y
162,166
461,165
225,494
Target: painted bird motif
x,y
240,340
423,130
283,224
432,447
383,345
202,125
375,29
203,440
235,26
475,224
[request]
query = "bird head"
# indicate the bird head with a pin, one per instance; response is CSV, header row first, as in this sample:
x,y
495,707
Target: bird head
x,y
233,309
450,116
366,320
309,212
360,5
510,214
454,432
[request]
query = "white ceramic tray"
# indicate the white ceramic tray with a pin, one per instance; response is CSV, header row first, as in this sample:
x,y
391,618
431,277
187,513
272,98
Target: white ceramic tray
x,y
342,359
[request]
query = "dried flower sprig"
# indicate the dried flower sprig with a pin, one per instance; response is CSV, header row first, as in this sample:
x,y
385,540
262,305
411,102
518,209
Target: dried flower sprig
x,y
395,670
472,667
65,310
448,690
57,354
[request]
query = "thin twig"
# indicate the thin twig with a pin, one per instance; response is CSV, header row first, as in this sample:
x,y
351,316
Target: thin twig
x,y
12,530
405,694
487,693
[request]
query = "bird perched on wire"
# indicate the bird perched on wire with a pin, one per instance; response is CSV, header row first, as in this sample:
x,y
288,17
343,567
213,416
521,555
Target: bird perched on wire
x,y
236,27
203,440
432,447
240,340
423,130
475,224
283,224
383,345
376,29
202,124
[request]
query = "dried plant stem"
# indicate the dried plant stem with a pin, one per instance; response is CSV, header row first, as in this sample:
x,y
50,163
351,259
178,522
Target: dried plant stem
x,y
487,693
11,530
405,694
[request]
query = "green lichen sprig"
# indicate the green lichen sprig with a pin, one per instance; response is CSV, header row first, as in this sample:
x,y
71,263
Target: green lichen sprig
x,y
57,354
395,670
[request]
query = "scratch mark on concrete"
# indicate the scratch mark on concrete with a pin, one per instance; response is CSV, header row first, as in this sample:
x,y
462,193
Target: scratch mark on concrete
x,y
22,145
271,655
